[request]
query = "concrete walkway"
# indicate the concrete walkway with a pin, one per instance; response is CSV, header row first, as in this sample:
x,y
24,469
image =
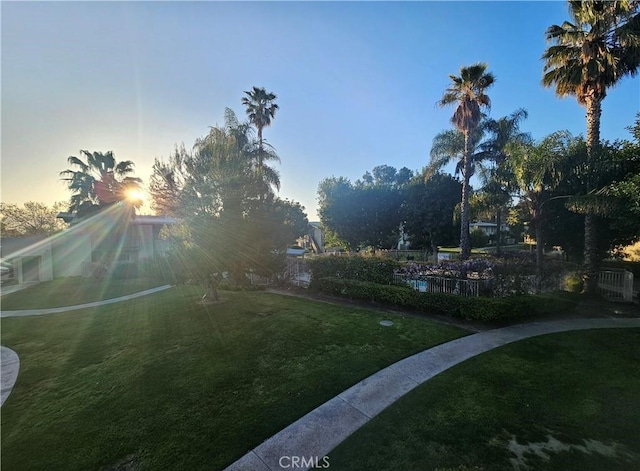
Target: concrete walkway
x,y
57,310
9,366
317,433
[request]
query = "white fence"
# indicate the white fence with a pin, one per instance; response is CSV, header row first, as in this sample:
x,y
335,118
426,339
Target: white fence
x,y
438,284
616,285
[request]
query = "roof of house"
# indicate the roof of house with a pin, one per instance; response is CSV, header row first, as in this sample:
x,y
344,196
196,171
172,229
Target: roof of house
x,y
11,245
154,220
483,224
142,219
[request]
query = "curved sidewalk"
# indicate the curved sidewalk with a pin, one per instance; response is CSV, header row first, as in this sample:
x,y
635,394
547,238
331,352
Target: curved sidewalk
x,y
322,429
9,366
57,310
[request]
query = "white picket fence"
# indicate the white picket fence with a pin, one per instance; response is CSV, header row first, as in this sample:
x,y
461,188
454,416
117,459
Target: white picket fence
x,y
616,285
438,284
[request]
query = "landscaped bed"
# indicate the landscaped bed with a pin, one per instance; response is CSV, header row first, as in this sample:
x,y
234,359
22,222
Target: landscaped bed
x,y
572,397
163,382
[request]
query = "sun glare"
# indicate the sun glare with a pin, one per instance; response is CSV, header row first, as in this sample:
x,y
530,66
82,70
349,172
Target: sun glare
x,y
135,196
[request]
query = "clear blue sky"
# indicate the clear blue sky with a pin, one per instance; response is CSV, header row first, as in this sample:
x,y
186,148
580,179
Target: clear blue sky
x,y
357,82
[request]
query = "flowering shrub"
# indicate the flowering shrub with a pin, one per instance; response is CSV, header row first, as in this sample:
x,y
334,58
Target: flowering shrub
x,y
512,273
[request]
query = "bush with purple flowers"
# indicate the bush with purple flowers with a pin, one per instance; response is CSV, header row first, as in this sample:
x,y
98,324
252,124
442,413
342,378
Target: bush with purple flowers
x,y
511,273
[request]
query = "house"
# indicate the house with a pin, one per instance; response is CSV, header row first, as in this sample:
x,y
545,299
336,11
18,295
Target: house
x,y
489,228
109,236
314,238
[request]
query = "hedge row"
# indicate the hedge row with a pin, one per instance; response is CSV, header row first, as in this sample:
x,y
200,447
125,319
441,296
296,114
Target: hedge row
x,y
471,308
372,269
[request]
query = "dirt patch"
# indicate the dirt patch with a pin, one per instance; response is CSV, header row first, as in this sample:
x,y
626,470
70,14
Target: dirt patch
x,y
128,463
544,450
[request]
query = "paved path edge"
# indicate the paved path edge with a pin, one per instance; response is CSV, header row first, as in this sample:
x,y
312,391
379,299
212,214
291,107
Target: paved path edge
x,y
9,360
9,367
314,435
58,310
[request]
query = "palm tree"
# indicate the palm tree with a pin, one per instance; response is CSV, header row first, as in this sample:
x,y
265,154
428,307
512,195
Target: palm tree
x,y
504,134
589,56
261,109
537,170
99,182
468,92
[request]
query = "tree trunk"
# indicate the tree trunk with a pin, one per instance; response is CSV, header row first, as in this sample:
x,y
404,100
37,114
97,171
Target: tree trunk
x,y
591,258
434,248
539,254
465,240
498,234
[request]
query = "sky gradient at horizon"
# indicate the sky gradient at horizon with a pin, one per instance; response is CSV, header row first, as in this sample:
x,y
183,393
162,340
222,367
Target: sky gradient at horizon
x,y
357,82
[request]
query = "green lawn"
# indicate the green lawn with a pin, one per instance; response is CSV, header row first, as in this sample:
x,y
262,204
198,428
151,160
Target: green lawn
x,y
166,383
73,290
572,387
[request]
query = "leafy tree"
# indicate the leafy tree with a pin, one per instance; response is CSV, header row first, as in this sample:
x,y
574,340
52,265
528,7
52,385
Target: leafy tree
x,y
338,211
218,190
220,177
628,187
615,216
468,93
428,211
367,213
590,55
31,219
99,182
385,175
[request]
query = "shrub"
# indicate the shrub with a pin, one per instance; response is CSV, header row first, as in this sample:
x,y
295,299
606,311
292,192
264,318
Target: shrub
x,y
470,308
372,269
478,238
573,283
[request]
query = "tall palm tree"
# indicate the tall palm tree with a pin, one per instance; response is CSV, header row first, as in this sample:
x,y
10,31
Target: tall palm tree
x,y
589,55
99,182
468,92
261,109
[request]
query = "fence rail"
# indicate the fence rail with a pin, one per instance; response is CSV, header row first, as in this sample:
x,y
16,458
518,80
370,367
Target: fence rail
x,y
616,285
437,284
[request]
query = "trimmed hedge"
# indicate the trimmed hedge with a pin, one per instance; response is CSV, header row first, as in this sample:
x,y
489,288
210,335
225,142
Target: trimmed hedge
x,y
471,308
371,269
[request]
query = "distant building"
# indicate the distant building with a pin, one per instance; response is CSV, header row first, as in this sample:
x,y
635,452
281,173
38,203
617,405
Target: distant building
x,y
107,237
313,240
489,228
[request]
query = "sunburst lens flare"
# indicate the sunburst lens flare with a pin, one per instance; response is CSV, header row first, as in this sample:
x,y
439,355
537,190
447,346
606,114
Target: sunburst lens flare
x,y
135,196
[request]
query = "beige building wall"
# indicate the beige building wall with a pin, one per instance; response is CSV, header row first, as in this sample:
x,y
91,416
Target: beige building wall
x,y
70,252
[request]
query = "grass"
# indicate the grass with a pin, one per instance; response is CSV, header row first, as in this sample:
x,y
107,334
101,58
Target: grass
x,y
161,382
572,386
73,290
